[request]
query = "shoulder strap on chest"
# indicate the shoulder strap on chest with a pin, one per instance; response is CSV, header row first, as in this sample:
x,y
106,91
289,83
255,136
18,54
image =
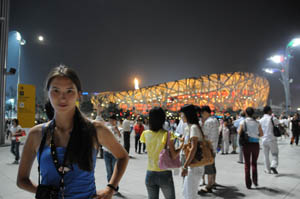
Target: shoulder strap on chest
x,y
41,148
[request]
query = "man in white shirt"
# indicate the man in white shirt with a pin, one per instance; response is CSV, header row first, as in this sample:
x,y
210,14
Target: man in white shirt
x,y
126,126
269,141
210,128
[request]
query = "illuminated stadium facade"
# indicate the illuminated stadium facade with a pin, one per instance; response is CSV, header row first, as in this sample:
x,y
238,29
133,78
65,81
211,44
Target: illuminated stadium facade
x,y
220,91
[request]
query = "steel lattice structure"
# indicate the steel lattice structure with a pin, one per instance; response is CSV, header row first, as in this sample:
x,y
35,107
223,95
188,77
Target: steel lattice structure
x,y
220,91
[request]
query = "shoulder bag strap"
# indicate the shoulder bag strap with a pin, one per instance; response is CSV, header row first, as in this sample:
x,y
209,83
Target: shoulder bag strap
x,y
245,126
272,121
41,148
203,137
166,145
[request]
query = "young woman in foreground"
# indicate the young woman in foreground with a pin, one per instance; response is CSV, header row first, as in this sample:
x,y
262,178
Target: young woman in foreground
x,y
67,160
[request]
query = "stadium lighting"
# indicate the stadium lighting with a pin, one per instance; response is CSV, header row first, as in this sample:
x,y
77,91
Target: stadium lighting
x,y
283,62
277,59
268,70
136,84
295,42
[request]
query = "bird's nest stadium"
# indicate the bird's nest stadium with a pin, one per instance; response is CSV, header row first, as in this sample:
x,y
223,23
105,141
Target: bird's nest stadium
x,y
236,91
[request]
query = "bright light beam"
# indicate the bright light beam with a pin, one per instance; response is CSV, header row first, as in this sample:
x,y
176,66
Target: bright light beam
x,y
295,42
277,59
270,71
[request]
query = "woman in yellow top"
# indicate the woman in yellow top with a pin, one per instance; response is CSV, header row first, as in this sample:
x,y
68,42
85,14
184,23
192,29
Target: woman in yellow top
x,y
155,140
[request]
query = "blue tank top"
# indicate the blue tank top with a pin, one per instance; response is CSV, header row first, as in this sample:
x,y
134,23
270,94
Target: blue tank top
x,y
78,183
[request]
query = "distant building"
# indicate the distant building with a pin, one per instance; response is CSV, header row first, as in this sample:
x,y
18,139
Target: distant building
x,y
220,91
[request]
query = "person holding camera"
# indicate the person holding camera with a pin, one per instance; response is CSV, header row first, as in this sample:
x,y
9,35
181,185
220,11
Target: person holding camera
x,y
66,146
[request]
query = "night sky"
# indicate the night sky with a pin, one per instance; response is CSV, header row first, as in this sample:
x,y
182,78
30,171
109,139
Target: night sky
x,y
110,42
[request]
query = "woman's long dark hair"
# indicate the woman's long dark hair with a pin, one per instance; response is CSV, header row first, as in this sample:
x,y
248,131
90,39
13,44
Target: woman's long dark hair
x,y
191,113
157,118
82,139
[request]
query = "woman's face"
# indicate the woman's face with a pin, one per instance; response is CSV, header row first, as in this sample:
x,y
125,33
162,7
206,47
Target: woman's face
x,y
183,117
14,123
63,94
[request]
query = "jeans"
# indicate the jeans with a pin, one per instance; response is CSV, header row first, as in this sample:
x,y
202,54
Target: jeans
x,y
14,149
273,147
110,161
251,152
163,180
127,141
295,137
233,139
191,182
138,144
225,144
240,150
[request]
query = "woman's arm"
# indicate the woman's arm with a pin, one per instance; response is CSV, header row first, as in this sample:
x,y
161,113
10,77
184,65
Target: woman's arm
x,y
240,129
108,140
261,133
27,159
174,153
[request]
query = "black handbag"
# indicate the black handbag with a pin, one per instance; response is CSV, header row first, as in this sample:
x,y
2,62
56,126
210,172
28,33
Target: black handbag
x,y
276,130
244,138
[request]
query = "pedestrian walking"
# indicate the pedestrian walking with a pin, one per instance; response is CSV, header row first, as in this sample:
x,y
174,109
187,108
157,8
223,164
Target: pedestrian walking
x,y
251,149
138,129
126,126
210,126
66,146
156,139
192,175
269,141
15,133
236,124
225,136
109,158
232,136
295,129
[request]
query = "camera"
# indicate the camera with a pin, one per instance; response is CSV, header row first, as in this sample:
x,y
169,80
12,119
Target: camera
x,y
46,192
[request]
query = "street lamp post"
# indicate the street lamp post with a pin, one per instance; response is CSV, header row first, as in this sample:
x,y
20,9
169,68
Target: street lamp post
x,y
284,61
4,19
22,42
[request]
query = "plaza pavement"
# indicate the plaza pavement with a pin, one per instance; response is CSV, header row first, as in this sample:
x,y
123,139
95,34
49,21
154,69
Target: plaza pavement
x,y
230,175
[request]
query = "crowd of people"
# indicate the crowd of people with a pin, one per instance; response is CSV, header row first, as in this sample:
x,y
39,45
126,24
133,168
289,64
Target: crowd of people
x,y
66,147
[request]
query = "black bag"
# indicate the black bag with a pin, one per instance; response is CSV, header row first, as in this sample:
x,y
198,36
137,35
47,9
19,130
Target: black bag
x,y
244,138
46,192
276,130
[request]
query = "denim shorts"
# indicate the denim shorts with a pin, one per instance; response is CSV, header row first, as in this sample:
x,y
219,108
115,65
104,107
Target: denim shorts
x,y
163,180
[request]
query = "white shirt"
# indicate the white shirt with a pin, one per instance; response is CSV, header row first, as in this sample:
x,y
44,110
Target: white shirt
x,y
267,127
252,127
99,118
126,125
14,130
225,130
211,131
181,127
192,131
